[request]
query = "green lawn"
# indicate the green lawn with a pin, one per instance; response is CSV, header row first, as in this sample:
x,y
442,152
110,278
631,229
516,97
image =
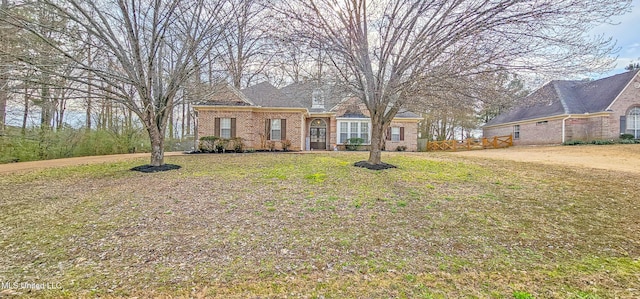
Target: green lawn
x,y
312,226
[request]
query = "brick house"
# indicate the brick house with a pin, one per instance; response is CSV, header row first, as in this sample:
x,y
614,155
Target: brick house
x,y
308,115
563,111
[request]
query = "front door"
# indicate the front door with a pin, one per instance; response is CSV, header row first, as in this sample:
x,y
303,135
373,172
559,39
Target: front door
x,y
318,134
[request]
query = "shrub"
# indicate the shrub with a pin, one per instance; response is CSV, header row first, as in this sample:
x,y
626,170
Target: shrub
x,y
36,144
208,144
574,142
628,141
603,142
286,145
353,144
627,136
221,145
271,145
238,144
401,148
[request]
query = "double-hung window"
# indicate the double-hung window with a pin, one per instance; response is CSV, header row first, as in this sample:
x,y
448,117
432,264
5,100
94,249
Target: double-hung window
x,y
395,134
276,129
344,132
225,128
364,132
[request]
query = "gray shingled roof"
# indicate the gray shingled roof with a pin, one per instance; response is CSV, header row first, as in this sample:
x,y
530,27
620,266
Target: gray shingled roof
x,y
225,95
297,95
302,94
266,95
567,97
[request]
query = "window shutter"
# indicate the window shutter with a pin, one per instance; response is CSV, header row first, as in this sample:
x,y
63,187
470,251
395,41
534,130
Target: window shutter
x,y
623,124
388,137
233,128
401,133
283,129
216,127
267,129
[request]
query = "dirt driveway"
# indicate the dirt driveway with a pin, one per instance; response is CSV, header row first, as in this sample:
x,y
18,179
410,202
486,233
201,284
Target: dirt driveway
x,y
619,157
15,167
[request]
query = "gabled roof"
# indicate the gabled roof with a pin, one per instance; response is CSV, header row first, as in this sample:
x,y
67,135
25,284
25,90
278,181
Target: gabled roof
x,y
266,95
350,107
563,97
225,95
302,93
297,95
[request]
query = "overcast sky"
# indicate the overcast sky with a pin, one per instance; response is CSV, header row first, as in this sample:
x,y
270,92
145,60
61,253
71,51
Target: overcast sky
x,y
627,34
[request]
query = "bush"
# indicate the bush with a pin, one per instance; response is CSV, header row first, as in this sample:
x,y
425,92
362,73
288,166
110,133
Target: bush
x,y
603,142
627,136
221,145
353,144
286,145
628,141
208,144
37,144
237,144
574,142
401,148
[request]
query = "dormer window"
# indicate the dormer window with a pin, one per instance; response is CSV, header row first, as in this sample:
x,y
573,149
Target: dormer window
x,y
317,99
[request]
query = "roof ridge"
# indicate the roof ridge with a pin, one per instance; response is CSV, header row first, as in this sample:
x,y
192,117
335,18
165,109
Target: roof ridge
x,y
561,97
241,95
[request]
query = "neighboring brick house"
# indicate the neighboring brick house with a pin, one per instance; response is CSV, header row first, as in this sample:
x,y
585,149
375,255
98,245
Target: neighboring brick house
x,y
563,111
309,115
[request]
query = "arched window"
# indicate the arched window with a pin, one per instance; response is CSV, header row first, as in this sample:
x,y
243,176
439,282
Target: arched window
x,y
633,122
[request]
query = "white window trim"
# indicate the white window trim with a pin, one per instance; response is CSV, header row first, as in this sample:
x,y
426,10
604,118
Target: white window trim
x,y
339,121
633,121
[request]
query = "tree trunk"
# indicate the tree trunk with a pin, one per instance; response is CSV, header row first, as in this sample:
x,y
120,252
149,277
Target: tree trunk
x,y
61,109
182,120
171,124
3,103
157,145
46,109
377,140
4,86
188,119
25,116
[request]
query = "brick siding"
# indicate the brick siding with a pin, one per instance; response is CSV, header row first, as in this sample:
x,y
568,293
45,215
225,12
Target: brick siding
x,y
250,126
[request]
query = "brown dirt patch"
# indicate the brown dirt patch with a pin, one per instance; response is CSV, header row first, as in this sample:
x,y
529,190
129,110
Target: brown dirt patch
x,y
619,157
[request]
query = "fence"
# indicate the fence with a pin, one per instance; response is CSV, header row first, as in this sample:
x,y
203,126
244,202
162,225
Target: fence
x,y
467,144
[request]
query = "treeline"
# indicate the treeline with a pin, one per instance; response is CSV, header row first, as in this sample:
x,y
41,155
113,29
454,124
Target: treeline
x,y
36,144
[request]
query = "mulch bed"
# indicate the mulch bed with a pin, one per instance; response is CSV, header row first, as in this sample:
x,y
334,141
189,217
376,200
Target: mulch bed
x,y
367,165
150,169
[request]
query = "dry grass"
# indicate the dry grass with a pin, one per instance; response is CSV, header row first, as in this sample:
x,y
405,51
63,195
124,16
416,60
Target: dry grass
x,y
289,225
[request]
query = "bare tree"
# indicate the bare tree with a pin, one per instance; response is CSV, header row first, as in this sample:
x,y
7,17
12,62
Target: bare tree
x,y
151,45
391,51
4,64
246,47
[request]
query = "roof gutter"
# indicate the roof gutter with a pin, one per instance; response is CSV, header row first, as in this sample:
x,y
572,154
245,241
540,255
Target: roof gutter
x,y
564,134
